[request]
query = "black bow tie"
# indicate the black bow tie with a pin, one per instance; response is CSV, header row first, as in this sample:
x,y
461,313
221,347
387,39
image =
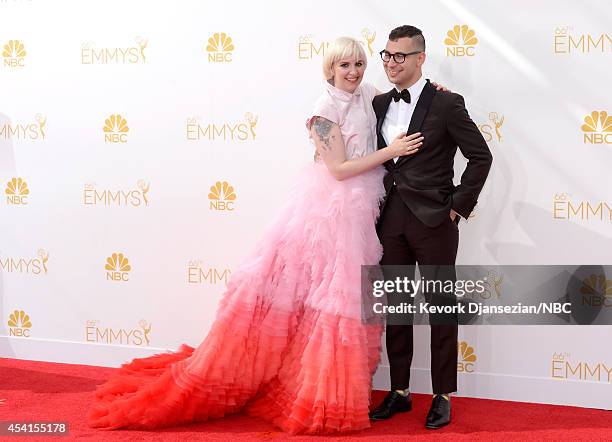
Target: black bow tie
x,y
403,95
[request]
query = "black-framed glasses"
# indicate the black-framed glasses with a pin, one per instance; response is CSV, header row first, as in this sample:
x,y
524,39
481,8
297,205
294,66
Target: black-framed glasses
x,y
399,57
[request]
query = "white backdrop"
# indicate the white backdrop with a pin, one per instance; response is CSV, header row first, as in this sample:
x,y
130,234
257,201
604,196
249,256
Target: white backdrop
x,y
193,115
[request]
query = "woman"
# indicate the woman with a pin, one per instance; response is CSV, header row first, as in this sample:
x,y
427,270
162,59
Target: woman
x,y
289,343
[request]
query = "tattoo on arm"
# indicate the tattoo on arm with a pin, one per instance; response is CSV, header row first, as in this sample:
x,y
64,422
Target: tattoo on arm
x,y
323,129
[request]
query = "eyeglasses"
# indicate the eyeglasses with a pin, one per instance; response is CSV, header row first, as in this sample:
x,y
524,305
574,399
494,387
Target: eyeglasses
x,y
398,57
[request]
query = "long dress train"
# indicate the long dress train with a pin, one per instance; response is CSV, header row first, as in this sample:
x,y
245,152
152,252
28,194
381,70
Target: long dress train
x,y
289,343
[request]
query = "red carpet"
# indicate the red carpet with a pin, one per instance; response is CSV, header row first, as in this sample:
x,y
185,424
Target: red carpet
x,y
45,391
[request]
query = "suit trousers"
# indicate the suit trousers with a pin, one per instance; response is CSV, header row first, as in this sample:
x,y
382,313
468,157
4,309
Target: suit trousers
x,y
407,241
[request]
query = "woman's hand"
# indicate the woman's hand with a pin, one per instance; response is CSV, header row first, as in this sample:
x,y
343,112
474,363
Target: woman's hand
x,y
439,87
405,145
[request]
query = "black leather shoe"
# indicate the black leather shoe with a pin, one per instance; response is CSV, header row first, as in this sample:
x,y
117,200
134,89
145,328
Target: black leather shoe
x,y
439,413
393,403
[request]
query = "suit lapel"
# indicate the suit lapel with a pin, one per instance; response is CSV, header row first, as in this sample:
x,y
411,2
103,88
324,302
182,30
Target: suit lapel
x,y
419,114
381,112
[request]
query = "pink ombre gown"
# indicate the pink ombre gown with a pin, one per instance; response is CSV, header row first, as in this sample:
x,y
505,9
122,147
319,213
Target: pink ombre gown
x,y
289,343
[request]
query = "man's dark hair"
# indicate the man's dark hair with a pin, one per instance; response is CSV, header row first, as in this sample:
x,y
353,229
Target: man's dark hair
x,y
411,32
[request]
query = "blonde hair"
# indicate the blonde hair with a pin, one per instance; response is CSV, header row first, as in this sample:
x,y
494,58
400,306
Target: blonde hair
x,y
342,47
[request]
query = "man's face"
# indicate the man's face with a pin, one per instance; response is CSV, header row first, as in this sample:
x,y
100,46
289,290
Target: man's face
x,y
406,72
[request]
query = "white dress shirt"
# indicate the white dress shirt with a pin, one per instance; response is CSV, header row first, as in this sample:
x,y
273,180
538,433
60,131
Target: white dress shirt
x,y
400,113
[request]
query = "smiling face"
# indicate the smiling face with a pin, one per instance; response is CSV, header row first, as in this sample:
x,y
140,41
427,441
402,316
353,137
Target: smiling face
x,y
348,73
405,74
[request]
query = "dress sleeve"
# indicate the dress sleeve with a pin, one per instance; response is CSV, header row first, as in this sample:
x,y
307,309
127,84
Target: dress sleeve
x,y
326,108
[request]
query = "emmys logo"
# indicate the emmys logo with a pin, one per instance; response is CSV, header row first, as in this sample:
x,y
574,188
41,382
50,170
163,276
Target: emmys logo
x,y
135,197
28,131
597,128
460,41
117,267
565,209
596,291
232,131
563,368
19,324
14,54
222,196
309,47
115,129
467,358
123,336
220,48
119,55
565,42
17,192
29,266
198,273
492,130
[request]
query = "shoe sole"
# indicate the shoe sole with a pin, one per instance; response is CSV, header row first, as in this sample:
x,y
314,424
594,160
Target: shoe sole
x,y
432,427
385,418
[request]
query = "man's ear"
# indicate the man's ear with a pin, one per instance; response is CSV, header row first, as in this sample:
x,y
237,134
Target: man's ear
x,y
422,57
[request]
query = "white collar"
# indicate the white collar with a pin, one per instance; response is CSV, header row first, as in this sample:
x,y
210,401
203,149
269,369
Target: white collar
x,y
416,89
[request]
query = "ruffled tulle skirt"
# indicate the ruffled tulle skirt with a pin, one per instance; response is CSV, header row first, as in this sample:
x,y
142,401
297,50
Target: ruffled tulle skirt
x,y
290,343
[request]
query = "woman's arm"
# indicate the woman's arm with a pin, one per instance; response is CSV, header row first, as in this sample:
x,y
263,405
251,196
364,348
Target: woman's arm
x,y
330,146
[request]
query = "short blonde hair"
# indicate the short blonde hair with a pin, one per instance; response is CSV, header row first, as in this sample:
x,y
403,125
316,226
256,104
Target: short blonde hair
x,y
342,47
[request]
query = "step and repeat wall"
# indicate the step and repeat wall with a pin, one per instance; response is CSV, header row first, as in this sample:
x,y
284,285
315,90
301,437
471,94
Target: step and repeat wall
x,y
144,146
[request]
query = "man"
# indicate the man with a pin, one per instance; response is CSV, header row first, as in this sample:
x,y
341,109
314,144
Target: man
x,y
420,215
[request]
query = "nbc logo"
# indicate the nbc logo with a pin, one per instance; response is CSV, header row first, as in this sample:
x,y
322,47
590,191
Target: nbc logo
x,y
220,48
460,41
596,291
597,128
222,196
19,324
14,54
17,192
115,129
117,267
467,357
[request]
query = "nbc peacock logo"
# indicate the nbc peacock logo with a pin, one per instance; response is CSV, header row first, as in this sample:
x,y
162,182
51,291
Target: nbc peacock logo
x,y
596,291
115,129
597,128
19,324
460,41
117,267
220,48
14,54
467,358
222,196
17,192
